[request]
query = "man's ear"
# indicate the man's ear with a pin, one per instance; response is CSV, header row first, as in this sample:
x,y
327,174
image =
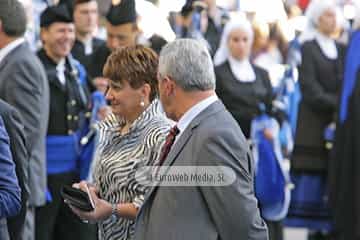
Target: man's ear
x,y
43,32
169,86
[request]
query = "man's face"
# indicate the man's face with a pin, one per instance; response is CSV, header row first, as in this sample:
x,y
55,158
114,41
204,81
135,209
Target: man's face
x,y
59,39
86,17
121,35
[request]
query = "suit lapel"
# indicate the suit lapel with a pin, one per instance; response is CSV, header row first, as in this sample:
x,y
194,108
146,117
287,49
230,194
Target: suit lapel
x,y
9,56
174,152
184,138
3,63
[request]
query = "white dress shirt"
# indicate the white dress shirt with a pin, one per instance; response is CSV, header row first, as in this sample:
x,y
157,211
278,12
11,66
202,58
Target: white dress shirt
x,y
60,71
88,45
8,48
194,111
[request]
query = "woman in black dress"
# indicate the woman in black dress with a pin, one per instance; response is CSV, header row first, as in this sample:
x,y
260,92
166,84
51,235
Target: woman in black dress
x,y
241,85
244,89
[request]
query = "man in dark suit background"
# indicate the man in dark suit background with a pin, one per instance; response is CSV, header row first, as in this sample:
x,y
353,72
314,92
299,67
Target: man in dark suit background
x,y
205,135
10,193
15,130
85,14
23,84
122,30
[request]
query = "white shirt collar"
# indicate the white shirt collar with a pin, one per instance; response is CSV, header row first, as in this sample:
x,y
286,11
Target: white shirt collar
x,y
242,70
60,71
8,48
88,46
195,110
327,45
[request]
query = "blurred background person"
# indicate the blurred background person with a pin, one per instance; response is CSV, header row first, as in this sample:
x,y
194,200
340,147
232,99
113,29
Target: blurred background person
x,y
122,30
344,182
216,19
202,20
85,15
243,87
320,78
10,192
239,84
130,138
23,84
69,110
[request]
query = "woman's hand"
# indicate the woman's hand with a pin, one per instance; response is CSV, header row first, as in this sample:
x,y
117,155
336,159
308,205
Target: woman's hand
x,y
102,208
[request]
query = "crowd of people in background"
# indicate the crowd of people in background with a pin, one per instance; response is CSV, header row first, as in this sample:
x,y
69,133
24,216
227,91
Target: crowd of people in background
x,y
92,91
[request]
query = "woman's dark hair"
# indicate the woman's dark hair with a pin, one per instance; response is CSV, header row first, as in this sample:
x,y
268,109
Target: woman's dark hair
x,y
136,65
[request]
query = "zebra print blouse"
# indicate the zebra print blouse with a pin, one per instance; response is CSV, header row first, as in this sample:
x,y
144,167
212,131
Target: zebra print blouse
x,y
117,159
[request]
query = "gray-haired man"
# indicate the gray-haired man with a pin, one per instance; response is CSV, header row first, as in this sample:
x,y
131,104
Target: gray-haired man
x,y
207,135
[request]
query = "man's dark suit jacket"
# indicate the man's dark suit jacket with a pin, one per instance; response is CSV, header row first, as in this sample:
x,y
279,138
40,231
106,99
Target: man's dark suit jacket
x,y
15,129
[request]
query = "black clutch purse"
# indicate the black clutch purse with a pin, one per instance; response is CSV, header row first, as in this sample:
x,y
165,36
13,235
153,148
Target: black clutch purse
x,y
77,198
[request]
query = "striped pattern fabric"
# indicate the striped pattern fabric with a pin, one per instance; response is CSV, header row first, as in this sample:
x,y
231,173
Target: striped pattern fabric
x,y
117,159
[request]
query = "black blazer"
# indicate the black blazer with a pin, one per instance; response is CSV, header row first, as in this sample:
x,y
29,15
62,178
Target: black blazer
x,y
67,110
15,129
98,60
78,52
242,99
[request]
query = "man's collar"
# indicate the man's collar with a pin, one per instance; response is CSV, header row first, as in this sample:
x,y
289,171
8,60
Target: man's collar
x,y
195,110
11,46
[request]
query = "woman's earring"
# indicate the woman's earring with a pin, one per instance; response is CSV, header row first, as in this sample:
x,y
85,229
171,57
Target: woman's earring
x,y
142,103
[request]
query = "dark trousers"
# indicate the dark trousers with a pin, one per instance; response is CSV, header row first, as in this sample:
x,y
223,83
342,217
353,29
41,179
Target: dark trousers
x,y
275,229
55,220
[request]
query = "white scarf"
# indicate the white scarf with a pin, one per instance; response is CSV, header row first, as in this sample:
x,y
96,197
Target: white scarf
x,y
327,45
242,70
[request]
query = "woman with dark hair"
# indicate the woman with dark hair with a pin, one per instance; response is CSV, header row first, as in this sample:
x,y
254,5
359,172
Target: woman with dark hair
x,y
130,138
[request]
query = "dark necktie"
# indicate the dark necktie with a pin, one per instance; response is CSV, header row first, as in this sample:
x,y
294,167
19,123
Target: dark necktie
x,y
170,139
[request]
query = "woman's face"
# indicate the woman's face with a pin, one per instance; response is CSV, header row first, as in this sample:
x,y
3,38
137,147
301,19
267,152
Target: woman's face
x,y
327,22
124,100
239,44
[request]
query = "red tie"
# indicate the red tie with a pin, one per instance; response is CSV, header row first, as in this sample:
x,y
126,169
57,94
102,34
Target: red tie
x,y
170,139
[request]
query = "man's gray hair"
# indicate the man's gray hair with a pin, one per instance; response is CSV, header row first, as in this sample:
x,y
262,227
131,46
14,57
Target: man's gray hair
x,y
189,64
13,18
